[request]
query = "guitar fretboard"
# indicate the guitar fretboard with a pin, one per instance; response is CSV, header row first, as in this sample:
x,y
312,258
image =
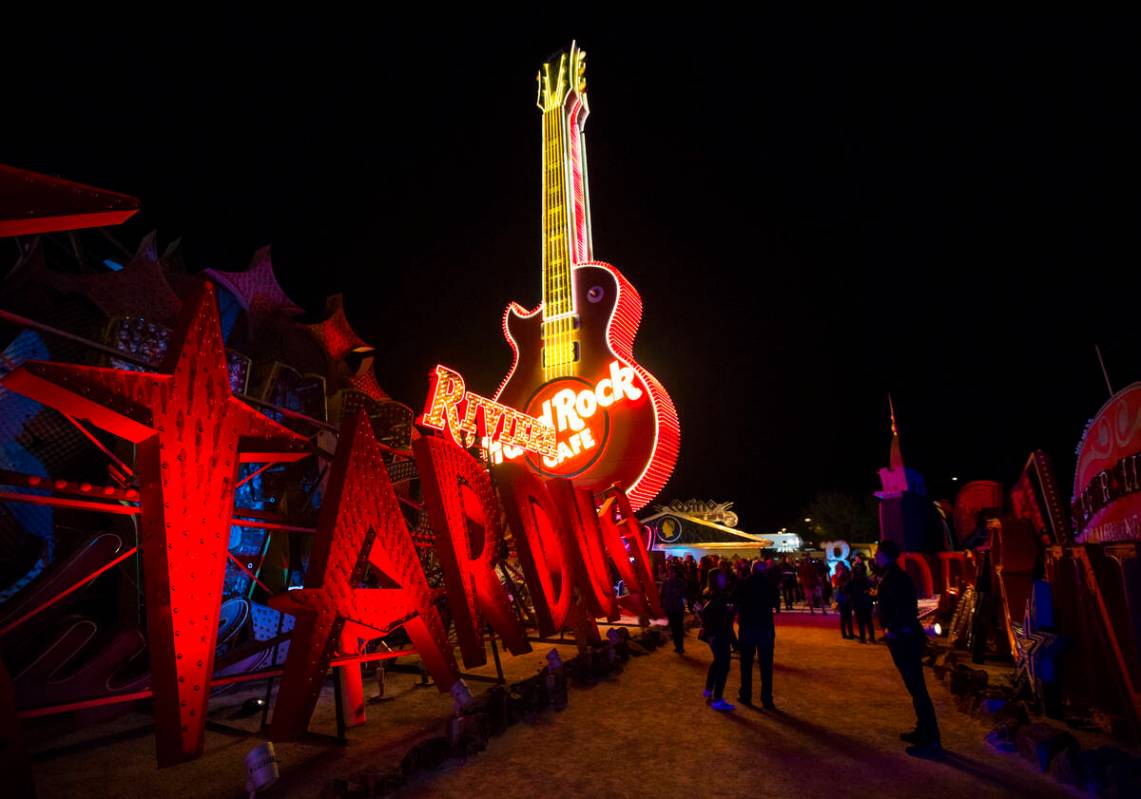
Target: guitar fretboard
x,y
566,234
558,295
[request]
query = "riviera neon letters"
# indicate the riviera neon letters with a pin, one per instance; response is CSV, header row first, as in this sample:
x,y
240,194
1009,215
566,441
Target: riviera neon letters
x,y
468,417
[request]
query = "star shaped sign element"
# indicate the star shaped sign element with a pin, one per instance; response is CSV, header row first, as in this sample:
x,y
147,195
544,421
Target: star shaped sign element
x,y
191,433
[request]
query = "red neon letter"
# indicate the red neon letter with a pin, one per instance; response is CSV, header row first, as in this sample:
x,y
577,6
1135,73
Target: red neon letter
x,y
360,525
464,512
535,523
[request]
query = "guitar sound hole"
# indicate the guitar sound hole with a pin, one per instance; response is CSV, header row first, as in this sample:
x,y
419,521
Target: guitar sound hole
x,y
594,294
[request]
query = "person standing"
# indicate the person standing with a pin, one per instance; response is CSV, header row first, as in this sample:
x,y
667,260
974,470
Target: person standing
x,y
773,576
859,592
899,616
840,581
788,581
717,630
673,602
825,582
810,584
756,600
692,582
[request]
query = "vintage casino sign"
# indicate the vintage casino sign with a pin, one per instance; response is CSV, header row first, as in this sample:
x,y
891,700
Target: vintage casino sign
x,y
192,433
469,418
1106,505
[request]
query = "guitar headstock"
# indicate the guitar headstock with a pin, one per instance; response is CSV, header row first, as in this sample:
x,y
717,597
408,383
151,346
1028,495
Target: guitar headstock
x,y
559,77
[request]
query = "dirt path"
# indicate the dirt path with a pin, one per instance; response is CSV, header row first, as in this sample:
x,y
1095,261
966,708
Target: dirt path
x,y
648,733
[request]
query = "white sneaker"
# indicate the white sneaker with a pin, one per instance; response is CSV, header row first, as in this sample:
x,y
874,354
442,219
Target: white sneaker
x,y
721,704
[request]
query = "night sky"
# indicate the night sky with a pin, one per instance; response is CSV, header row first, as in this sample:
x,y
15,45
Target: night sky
x,y
815,212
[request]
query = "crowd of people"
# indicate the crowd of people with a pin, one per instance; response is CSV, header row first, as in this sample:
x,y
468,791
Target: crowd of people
x,y
805,582
750,592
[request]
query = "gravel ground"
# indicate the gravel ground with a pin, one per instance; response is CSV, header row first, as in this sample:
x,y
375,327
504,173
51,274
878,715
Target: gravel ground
x,y
648,733
644,733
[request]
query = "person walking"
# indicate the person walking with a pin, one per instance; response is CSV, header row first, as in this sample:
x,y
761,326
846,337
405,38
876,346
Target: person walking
x,y
673,602
716,630
840,581
899,616
756,600
859,591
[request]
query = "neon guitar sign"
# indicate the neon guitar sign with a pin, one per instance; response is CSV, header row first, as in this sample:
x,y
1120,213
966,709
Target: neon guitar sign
x,y
574,364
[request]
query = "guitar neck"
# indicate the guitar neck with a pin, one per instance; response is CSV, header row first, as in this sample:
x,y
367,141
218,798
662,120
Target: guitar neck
x,y
566,208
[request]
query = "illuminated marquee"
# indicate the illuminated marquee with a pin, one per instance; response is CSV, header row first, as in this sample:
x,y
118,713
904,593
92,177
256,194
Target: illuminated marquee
x,y
469,417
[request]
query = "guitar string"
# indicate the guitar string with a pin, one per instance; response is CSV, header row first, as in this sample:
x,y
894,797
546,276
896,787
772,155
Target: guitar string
x,y
551,341
564,264
559,248
546,228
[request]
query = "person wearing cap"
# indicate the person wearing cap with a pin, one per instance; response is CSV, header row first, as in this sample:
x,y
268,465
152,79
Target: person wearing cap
x,y
899,616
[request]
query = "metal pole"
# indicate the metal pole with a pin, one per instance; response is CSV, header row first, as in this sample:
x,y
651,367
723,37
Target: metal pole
x,y
339,706
1104,372
272,665
495,654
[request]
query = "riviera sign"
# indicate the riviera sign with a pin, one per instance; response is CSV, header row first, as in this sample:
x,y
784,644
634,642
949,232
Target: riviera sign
x,y
468,417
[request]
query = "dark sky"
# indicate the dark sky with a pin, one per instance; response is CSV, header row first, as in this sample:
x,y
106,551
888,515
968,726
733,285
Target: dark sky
x,y
816,212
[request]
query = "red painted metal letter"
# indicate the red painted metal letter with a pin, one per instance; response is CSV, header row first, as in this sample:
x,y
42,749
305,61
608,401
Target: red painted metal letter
x,y
585,544
466,516
360,525
535,522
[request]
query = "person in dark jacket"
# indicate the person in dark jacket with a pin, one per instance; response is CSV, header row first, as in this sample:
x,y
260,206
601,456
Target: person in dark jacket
x,y
859,591
899,616
840,581
692,582
717,629
755,600
673,602
788,582
774,576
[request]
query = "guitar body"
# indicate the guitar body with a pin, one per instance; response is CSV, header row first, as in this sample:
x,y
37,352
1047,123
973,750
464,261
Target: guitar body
x,y
614,421
574,353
